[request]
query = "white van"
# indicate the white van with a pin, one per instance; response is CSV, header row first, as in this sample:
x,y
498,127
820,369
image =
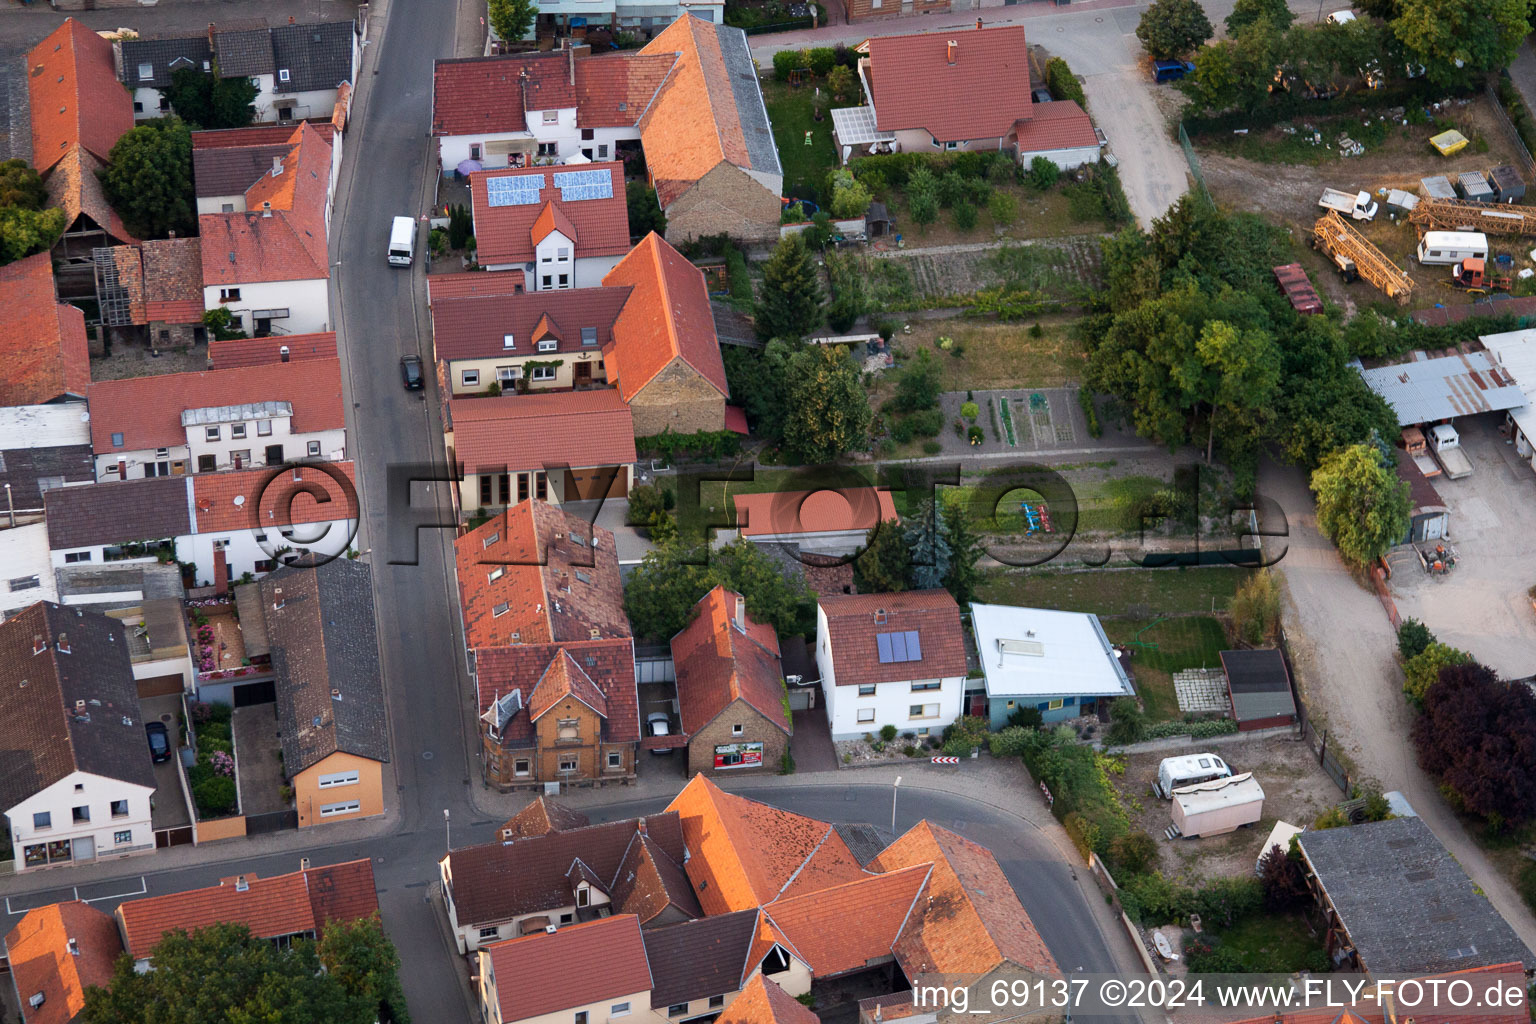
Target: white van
x,y
402,241
1188,770
1448,247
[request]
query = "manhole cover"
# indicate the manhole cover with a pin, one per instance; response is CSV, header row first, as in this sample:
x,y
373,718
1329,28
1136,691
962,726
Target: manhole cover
x,y
426,755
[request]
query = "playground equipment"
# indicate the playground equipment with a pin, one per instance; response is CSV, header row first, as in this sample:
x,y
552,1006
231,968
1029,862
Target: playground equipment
x,y
1037,518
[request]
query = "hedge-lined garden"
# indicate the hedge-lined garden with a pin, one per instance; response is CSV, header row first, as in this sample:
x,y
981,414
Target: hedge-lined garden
x,y
212,777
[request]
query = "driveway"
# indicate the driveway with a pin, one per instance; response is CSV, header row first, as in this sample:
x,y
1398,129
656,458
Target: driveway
x,y
811,744
1482,606
168,806
1342,647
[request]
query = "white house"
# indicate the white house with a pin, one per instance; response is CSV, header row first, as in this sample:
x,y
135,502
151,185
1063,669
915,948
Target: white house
x,y
248,416
1515,354
1059,662
890,659
563,227
28,569
269,264
78,777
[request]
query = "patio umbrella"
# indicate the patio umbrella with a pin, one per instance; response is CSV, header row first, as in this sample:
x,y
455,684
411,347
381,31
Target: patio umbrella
x,y
468,167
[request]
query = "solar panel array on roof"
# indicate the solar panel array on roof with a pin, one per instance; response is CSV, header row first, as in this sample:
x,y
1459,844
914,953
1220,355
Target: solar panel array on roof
x,y
578,185
898,647
519,190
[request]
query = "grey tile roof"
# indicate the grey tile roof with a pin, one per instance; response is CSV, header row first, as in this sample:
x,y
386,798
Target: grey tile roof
x,y
117,512
864,841
1259,683
230,170
697,959
748,94
22,468
148,581
163,56
244,52
1407,905
43,738
325,654
315,56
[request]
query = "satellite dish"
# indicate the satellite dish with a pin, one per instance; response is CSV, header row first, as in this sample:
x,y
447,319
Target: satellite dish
x,y
239,500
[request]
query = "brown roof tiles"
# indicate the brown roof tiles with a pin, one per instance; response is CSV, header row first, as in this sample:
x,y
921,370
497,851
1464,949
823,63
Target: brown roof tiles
x,y
541,817
666,318
302,902
914,84
117,512
73,186
723,656
506,234
42,340
650,882
286,242
475,327
609,664
257,499
58,952
854,621
489,94
521,433
764,1001
535,975
1059,125
265,351
173,280
564,678
75,95
615,91
847,927
698,959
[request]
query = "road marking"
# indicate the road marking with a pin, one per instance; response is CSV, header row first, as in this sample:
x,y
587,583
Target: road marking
x,y
143,890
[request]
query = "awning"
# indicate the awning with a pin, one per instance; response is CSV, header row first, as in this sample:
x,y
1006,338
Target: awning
x,y
736,420
855,126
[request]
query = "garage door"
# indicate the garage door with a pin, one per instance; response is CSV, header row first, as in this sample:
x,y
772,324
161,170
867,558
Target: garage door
x,y
160,686
602,481
247,694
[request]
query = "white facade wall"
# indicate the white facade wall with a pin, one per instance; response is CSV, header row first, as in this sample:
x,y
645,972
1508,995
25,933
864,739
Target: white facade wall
x,y
146,103
554,258
851,714
313,103
1066,159
453,150
23,556
296,447
469,937
243,548
307,302
104,834
216,204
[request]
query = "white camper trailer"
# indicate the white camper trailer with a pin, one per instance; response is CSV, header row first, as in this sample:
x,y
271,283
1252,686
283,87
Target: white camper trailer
x,y
1188,769
1218,807
1447,247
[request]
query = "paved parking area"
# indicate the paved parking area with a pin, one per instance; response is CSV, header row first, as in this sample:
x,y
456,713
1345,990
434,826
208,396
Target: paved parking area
x,y
168,805
256,746
1482,606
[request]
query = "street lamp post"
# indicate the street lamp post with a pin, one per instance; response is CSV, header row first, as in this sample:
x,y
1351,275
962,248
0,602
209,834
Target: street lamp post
x,y
894,787
447,833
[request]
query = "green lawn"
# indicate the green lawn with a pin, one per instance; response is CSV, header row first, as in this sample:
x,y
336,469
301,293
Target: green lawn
x,y
790,110
1163,647
1146,593
1278,943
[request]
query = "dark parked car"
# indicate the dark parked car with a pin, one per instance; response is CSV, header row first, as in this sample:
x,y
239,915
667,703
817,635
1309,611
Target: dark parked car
x,y
1170,70
159,741
410,373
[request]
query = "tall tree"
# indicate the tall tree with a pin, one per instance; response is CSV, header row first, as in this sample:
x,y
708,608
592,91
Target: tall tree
x,y
149,179
883,563
1478,736
1458,39
207,100
790,304
1239,371
1173,28
1362,505
511,20
919,385
759,382
926,540
21,186
24,232
828,412
1422,671
644,210
964,549
223,973
362,960
660,594
1246,12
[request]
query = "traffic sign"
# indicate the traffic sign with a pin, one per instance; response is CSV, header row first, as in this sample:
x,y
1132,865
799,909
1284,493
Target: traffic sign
x,y
946,760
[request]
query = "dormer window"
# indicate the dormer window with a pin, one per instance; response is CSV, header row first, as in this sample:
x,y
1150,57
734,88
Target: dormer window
x,y
146,72
589,335
548,345
583,895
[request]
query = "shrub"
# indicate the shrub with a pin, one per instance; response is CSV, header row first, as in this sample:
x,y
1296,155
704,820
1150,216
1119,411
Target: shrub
x,y
1010,742
1127,723
850,198
1525,881
950,190
965,216
1423,670
786,61
821,60
970,410
887,732
1255,609
1026,715
1085,399
976,435
964,734
1284,882
1003,208
1132,853
1200,730
932,447
1062,83
1043,173
645,502
214,796
1153,899
1204,958
1412,637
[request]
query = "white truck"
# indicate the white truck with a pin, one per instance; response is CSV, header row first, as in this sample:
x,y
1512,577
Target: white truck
x,y
1446,444
1357,205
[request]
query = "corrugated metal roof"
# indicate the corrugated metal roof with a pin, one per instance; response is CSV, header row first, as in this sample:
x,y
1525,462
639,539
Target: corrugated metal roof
x,y
1444,388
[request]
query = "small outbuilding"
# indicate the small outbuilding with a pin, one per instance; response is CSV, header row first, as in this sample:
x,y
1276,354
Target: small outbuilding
x,y
1259,687
1437,187
1218,807
1429,518
1473,186
1508,186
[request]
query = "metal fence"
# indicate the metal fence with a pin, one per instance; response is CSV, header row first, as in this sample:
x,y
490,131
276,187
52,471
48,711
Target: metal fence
x,y
273,821
1528,165
1194,164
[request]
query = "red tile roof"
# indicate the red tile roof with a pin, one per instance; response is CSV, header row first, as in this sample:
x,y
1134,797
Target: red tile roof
x,y
73,185
292,904
343,102
552,218
762,1001
505,234
970,921
847,927
173,280
854,622
454,286
474,95
264,351
694,124
615,91
42,340
261,498
529,432
537,550
476,326
781,513
564,678
609,664
914,85
256,135
540,818
744,853
1059,125
75,95
667,318
42,960
147,410
719,663
597,961
288,245
649,882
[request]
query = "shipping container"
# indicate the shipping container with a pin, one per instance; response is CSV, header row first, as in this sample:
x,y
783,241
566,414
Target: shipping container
x,y
1298,288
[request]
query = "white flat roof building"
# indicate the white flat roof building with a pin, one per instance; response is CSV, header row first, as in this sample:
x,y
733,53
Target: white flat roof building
x,y
1039,652
44,426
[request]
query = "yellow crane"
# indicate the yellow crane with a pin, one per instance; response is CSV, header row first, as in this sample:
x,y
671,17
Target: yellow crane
x,y
1464,215
1355,256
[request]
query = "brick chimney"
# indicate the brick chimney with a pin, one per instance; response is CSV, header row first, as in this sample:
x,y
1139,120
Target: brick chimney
x,y
978,23
220,572
952,47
